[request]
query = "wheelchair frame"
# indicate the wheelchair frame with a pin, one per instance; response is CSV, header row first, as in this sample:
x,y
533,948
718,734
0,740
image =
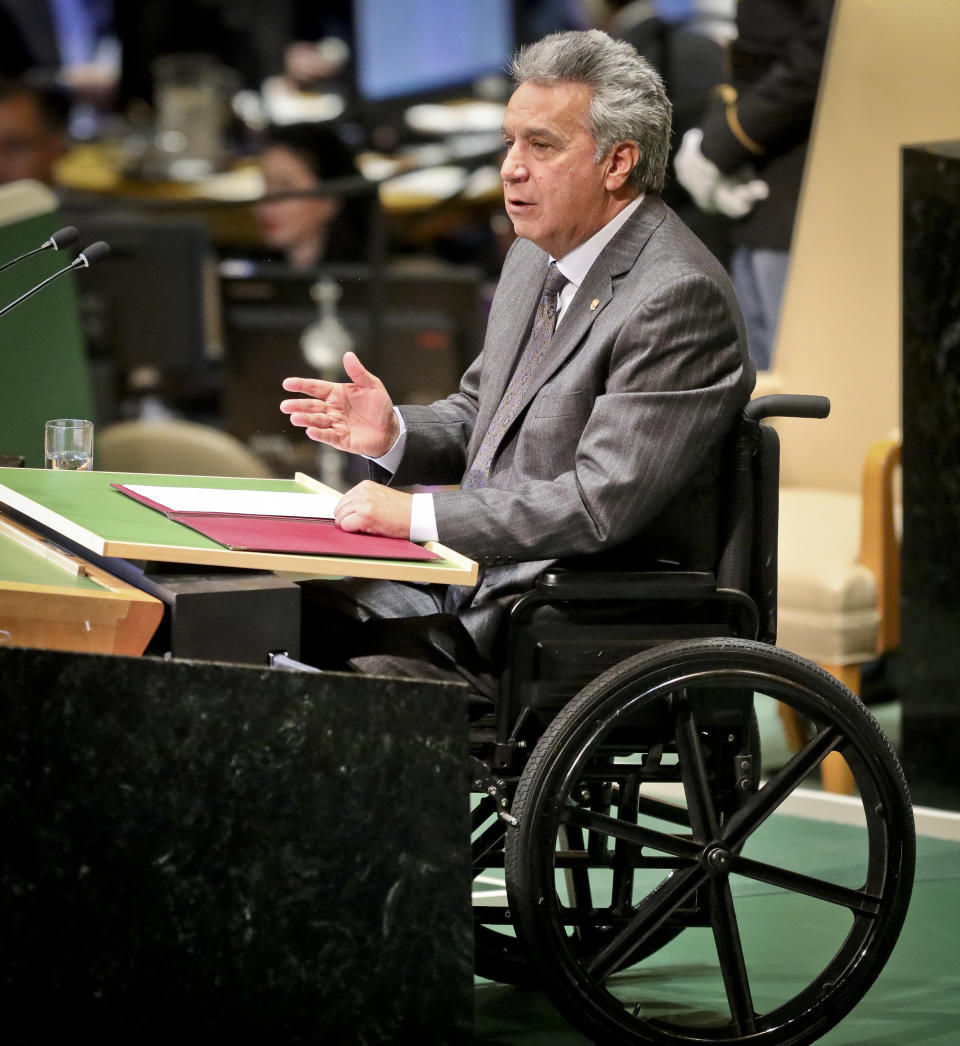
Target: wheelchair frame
x,y
618,784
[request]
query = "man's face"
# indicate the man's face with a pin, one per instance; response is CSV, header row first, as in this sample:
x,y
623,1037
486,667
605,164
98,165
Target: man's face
x,y
555,192
28,149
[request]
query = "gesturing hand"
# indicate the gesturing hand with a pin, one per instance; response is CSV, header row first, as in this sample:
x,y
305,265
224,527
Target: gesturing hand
x,y
355,416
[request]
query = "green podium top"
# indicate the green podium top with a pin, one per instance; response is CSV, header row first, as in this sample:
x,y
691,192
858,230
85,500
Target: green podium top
x,y
83,507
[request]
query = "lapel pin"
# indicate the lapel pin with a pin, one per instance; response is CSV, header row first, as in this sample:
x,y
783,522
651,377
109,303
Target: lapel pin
x,y
594,304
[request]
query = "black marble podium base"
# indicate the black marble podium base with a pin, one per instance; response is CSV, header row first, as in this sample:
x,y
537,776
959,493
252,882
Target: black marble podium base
x,y
931,473
211,853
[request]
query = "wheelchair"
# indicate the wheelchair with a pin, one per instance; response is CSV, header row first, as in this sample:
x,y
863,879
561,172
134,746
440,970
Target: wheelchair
x,y
617,789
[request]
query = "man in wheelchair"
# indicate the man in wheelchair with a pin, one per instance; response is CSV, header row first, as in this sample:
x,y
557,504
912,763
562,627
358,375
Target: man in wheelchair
x,y
595,417
619,803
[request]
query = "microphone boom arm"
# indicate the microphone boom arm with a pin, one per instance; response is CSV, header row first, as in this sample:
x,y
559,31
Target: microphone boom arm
x,y
82,261
60,239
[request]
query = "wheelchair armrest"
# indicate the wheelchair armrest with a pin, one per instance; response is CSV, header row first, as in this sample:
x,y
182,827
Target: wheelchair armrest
x,y
561,583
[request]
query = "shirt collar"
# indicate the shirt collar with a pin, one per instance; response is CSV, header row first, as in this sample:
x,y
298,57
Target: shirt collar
x,y
576,264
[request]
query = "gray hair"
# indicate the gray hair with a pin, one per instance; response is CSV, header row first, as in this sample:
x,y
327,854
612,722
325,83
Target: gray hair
x,y
628,99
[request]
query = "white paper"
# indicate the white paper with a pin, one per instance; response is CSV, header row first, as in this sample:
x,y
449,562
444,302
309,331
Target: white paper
x,y
240,502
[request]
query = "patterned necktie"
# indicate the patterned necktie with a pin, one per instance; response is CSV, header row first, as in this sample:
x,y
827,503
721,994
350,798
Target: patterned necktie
x,y
543,325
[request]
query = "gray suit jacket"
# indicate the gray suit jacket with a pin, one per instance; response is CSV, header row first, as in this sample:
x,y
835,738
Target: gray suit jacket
x,y
619,443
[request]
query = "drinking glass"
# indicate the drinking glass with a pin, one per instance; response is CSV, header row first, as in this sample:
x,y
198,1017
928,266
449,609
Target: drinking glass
x,y
68,444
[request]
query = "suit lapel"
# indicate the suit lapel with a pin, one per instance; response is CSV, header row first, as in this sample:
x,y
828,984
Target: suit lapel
x,y
517,333
506,342
618,257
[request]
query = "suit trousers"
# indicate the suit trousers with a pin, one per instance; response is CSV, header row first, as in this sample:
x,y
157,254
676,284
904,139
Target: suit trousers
x,y
391,628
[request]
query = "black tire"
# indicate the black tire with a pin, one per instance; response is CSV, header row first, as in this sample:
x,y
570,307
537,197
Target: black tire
x,y
498,955
732,974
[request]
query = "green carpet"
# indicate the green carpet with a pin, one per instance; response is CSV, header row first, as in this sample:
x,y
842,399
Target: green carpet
x,y
915,1002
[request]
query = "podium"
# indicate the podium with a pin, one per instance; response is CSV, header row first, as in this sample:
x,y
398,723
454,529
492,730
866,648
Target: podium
x,y
205,852
210,853
58,601
212,615
930,582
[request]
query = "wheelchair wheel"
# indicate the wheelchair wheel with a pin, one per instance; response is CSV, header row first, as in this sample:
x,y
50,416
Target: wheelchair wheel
x,y
498,955
770,943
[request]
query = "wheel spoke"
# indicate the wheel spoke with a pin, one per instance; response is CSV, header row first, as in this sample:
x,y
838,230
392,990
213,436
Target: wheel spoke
x,y
726,934
623,865
661,810
700,804
859,901
752,814
650,915
577,879
685,849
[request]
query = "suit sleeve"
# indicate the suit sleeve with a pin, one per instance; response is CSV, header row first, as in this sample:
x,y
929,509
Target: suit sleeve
x,y
673,382
438,435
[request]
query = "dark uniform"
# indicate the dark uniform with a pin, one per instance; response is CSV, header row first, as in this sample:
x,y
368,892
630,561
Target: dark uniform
x,y
762,116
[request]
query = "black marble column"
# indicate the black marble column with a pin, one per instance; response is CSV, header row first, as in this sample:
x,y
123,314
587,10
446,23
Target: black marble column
x,y
931,473
210,853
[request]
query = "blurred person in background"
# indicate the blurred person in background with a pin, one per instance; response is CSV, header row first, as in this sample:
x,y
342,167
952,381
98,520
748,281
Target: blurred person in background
x,y
686,42
244,36
310,229
319,41
72,43
33,131
746,158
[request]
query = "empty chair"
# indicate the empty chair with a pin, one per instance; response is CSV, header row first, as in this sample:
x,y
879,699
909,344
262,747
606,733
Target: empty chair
x,y
182,448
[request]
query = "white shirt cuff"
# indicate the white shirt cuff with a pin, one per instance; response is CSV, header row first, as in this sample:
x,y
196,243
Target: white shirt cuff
x,y
391,460
423,520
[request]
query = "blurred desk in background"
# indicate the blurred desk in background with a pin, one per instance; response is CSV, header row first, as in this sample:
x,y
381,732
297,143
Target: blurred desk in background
x,y
95,177
458,174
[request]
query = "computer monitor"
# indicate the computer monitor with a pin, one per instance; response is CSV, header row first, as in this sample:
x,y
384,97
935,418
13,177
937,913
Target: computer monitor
x,y
145,307
147,294
416,328
415,48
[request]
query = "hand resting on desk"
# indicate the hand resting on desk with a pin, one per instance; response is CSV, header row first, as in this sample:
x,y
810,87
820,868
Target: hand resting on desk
x,y
372,508
357,417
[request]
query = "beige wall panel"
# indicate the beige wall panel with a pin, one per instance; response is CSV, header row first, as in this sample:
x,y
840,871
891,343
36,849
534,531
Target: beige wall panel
x,y
892,78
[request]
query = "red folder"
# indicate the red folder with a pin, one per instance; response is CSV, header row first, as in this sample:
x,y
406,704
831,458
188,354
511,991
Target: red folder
x,y
320,537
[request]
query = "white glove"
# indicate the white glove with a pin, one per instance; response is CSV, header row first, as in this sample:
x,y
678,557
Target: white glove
x,y
711,189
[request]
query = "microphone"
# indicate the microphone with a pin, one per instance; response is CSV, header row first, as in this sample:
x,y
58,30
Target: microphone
x,y
83,260
64,237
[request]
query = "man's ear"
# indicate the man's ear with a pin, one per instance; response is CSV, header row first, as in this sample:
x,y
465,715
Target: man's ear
x,y
622,159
